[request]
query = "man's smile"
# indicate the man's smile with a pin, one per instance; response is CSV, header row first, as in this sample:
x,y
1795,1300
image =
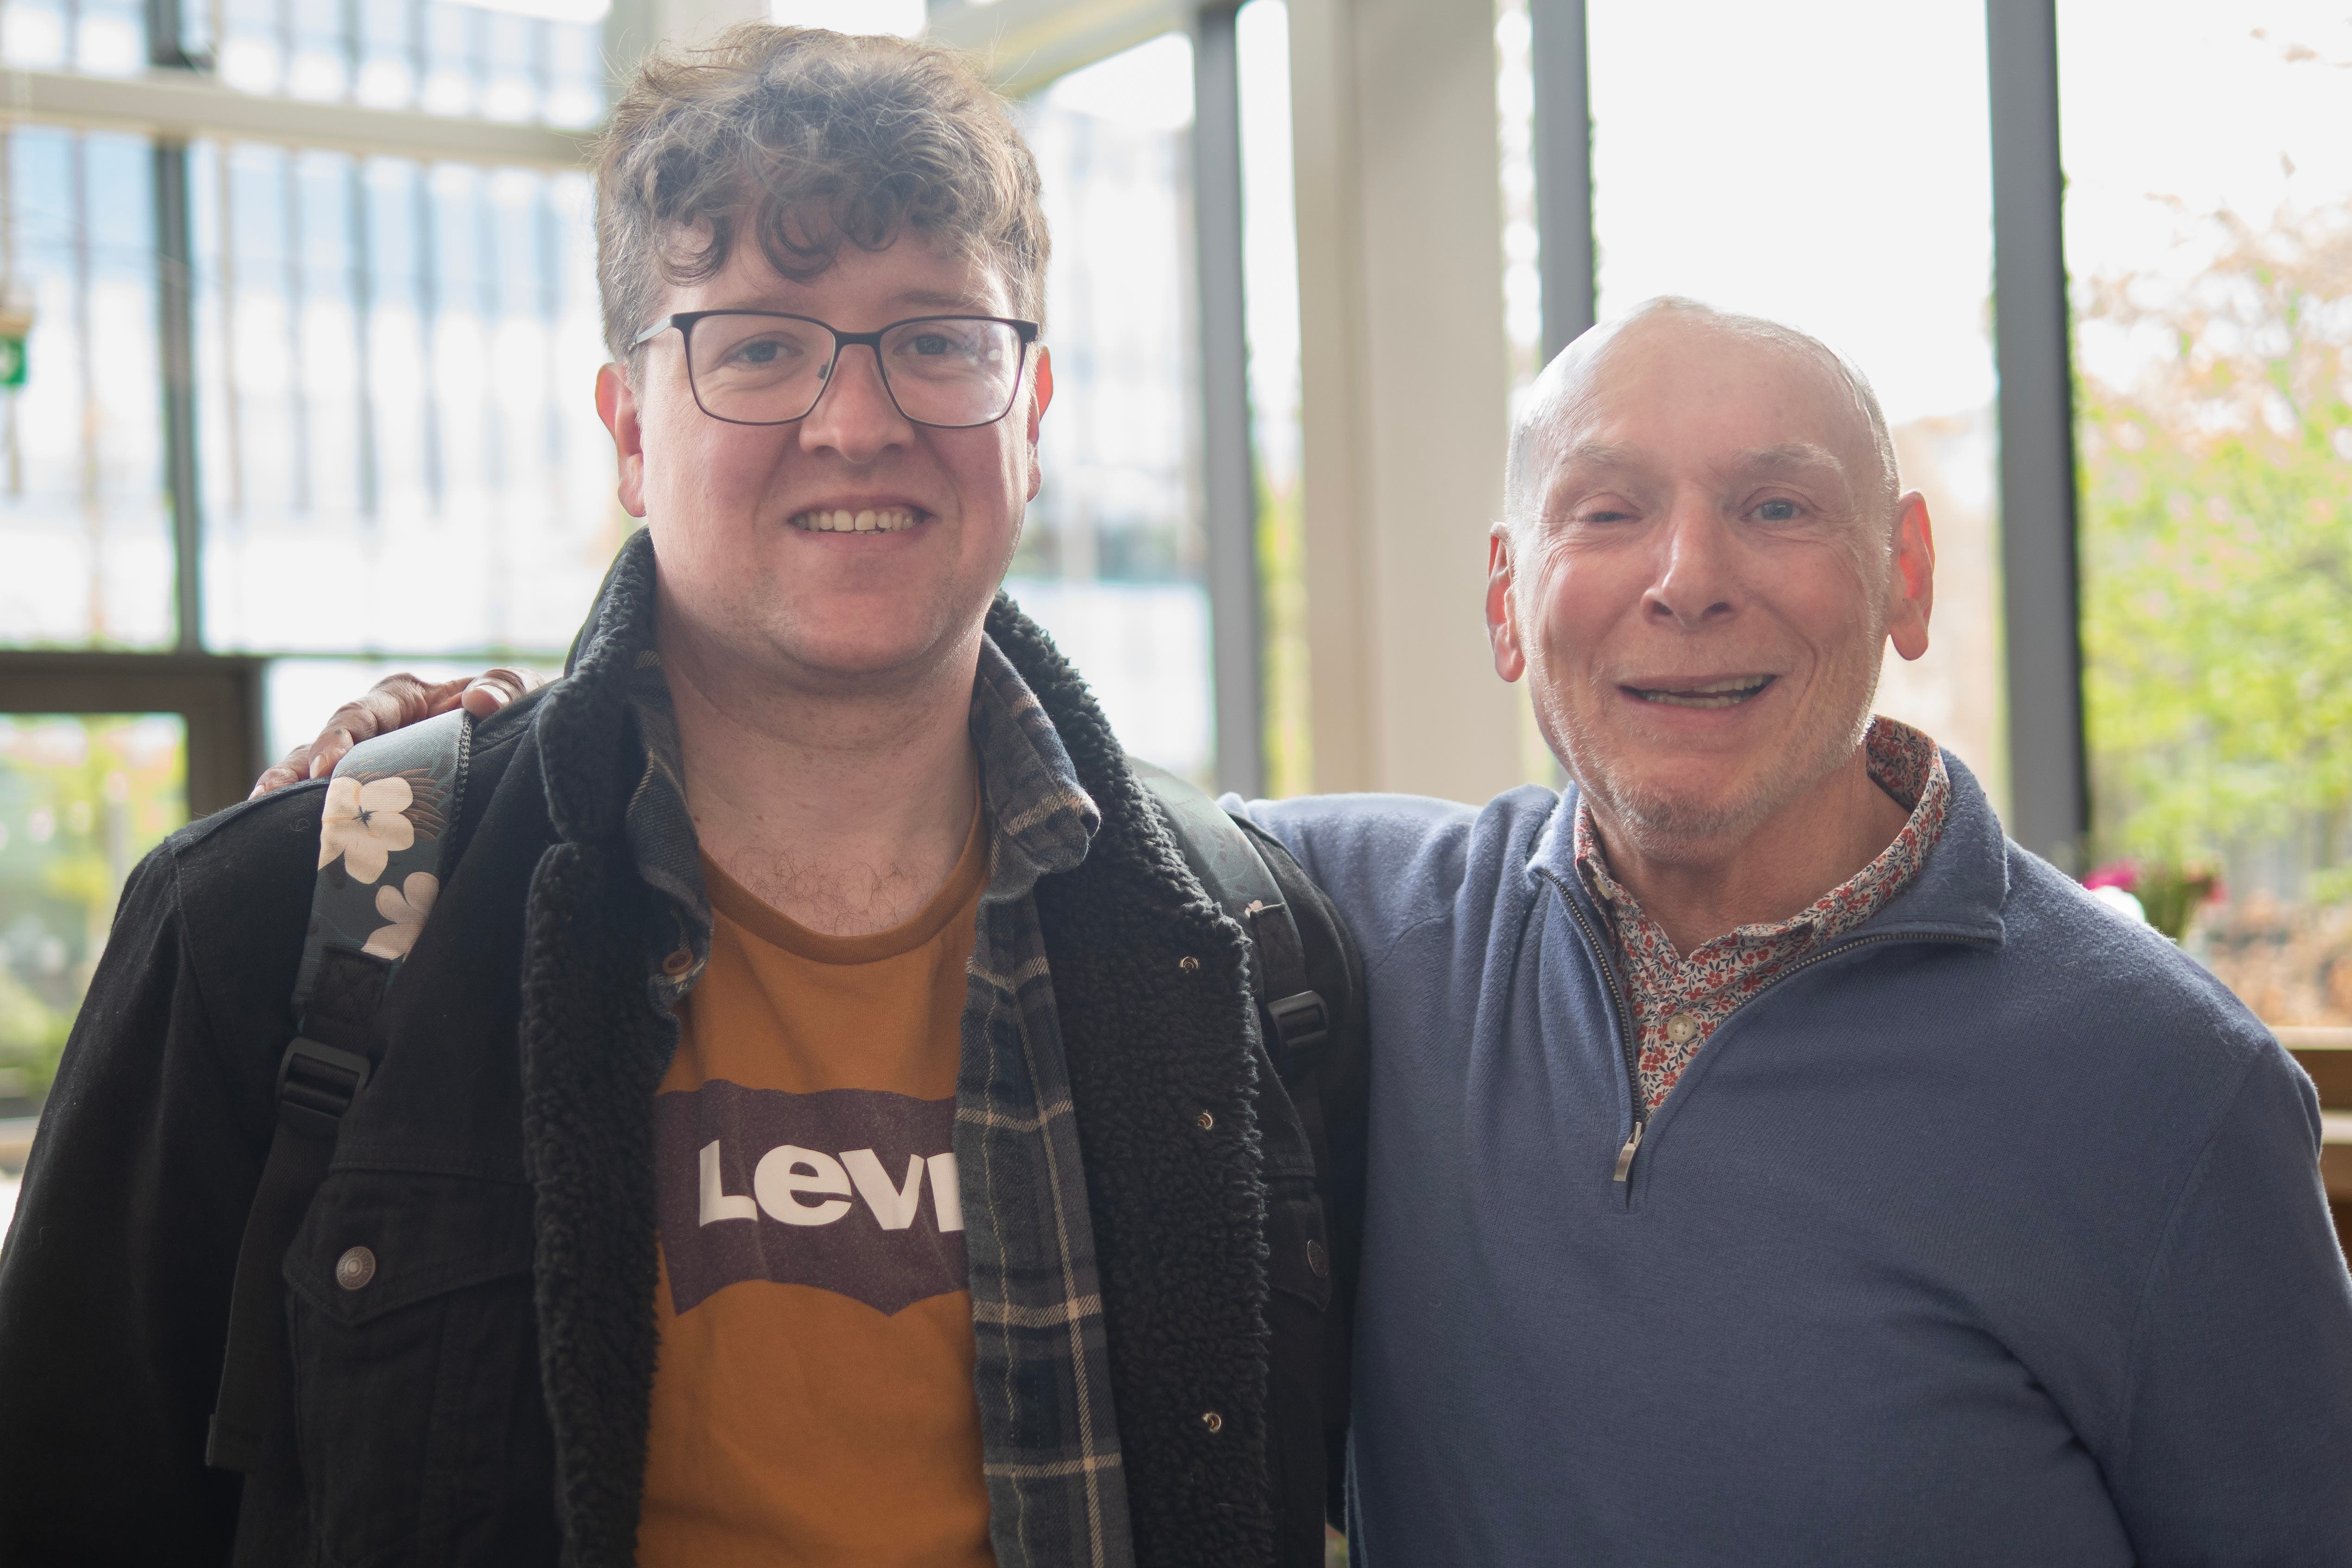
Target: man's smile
x,y
1727,691
858,520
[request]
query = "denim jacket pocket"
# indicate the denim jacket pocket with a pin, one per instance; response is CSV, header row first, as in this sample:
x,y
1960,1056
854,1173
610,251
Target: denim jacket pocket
x,y
415,1364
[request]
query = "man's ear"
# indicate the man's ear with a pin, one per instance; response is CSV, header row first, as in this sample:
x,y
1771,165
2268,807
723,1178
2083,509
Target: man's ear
x,y
1915,578
1502,616
616,406
1040,392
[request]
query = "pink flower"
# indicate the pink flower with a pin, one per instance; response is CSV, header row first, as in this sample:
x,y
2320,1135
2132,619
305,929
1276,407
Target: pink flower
x,y
405,907
2124,874
365,825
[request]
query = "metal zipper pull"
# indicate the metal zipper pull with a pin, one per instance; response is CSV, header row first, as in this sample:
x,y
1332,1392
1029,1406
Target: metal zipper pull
x,y
1625,1155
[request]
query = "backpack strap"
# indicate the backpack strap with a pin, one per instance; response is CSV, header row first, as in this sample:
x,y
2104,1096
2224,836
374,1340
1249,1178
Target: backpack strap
x,y
1296,1016
1316,1043
383,826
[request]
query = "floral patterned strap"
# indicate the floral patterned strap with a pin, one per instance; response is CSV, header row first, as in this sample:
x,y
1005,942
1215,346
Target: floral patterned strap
x,y
381,829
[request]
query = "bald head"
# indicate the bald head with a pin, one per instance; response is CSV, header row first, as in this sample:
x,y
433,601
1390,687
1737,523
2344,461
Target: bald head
x,y
1672,326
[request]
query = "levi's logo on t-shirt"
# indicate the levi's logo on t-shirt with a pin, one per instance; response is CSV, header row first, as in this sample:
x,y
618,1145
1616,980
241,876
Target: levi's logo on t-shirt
x,y
849,1190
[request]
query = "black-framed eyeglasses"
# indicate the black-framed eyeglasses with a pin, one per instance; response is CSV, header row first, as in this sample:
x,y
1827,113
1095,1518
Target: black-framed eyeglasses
x,y
764,367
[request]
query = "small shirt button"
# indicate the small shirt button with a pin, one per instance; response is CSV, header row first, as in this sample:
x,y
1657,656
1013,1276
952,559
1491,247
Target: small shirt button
x,y
1682,1029
1205,1121
1213,1420
354,1268
1318,1262
678,962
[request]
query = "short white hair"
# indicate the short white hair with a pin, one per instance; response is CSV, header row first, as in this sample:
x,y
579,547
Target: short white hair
x,y
1548,398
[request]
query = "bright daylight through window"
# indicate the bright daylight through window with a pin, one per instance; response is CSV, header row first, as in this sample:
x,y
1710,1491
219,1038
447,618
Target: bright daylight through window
x,y
1112,560
2211,259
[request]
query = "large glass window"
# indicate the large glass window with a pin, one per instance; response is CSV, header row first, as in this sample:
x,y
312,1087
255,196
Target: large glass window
x,y
1113,559
2212,260
82,797
538,61
1753,156
395,362
100,37
394,449
84,523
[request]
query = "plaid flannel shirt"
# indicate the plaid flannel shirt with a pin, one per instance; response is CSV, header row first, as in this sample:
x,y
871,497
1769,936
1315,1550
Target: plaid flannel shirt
x,y
1057,1495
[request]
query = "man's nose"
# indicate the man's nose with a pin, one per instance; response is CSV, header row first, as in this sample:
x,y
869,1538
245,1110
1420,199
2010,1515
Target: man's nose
x,y
854,415
1695,583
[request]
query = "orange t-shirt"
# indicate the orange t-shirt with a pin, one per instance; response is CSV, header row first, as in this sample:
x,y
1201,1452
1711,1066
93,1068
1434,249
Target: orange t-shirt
x,y
812,1403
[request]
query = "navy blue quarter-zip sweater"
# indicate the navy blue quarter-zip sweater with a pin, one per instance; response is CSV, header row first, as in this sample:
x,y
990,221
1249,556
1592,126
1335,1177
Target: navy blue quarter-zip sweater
x,y
1993,1233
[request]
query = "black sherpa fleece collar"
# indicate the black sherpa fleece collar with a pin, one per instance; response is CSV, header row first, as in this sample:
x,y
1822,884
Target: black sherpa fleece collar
x,y
583,721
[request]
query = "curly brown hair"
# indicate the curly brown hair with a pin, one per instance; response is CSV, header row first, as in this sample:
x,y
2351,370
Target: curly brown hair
x,y
814,139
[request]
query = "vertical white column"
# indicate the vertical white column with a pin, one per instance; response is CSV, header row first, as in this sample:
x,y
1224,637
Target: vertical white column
x,y
1405,391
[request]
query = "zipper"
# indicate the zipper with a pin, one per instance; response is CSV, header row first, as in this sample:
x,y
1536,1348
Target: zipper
x,y
1632,1143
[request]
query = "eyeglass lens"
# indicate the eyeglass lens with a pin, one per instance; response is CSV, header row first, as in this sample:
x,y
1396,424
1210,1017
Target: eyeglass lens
x,y
768,370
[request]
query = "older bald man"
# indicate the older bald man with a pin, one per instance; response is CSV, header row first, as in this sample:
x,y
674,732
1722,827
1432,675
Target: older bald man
x,y
1770,1164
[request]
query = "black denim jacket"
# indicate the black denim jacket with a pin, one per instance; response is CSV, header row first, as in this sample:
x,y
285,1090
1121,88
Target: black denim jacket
x,y
484,1400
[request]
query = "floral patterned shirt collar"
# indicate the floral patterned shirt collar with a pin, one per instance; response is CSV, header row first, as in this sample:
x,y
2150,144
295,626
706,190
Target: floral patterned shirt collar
x,y
1678,1002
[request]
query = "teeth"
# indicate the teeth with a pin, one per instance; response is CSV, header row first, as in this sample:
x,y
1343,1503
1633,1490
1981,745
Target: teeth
x,y
1722,694
886,520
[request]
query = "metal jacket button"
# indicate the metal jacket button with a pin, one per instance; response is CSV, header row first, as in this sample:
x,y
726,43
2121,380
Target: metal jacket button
x,y
354,1268
1205,1121
1189,964
1213,1420
678,962
1318,1262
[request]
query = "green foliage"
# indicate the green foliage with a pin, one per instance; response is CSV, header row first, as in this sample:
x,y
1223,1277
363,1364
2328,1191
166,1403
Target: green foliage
x,y
81,799
2217,555
1282,578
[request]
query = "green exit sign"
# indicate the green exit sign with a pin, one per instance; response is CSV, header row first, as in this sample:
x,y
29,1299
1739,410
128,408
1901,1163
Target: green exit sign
x,y
12,362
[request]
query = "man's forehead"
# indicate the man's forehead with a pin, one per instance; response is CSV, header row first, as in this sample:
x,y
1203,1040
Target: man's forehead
x,y
1681,394
912,274
1628,452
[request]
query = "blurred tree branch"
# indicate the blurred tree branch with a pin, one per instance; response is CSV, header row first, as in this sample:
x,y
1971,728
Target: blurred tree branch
x,y
2217,549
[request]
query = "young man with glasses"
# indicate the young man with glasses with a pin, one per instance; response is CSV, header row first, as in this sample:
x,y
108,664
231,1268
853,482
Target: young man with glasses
x,y
821,1120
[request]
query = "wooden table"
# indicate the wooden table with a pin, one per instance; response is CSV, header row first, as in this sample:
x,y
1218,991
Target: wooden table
x,y
2326,1055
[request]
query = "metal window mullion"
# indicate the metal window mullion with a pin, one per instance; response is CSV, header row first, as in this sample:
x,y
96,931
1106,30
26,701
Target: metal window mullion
x,y
231,406
1229,481
10,431
88,423
1563,138
363,336
428,312
175,300
167,35
294,280
2048,782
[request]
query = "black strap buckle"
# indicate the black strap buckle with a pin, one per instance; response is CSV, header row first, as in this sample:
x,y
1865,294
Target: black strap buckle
x,y
1301,1020
316,1084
